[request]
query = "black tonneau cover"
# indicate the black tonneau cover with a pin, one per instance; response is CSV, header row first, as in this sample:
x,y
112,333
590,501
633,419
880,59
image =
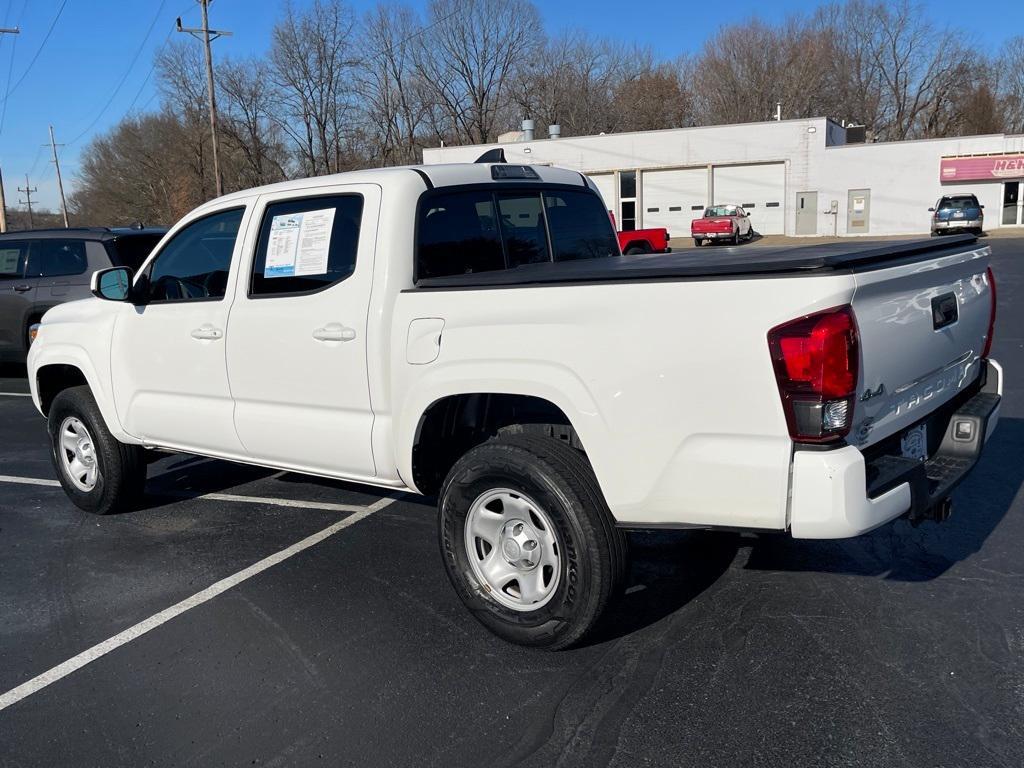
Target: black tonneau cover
x,y
745,261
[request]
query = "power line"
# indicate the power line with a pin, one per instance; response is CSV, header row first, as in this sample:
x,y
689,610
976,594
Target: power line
x,y
124,77
38,51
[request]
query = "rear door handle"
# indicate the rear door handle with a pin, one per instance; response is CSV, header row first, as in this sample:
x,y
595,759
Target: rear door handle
x,y
207,333
334,332
22,288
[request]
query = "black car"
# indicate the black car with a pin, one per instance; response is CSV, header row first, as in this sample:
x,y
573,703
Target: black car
x,y
954,213
43,267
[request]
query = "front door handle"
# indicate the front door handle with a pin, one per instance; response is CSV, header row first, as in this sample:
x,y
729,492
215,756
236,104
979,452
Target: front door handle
x,y
207,333
334,332
22,288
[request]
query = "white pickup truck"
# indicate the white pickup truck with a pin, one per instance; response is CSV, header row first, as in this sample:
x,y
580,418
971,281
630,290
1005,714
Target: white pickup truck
x,y
472,331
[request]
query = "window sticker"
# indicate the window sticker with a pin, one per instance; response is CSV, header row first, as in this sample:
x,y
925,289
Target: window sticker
x,y
9,258
299,244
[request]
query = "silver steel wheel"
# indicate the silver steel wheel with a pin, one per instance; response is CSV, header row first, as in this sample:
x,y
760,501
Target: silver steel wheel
x,y
78,454
512,549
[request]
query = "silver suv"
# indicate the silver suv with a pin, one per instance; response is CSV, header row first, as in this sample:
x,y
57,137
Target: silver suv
x,y
44,267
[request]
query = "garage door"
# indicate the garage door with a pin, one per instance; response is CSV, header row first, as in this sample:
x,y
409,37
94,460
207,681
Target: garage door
x,y
758,188
672,198
606,186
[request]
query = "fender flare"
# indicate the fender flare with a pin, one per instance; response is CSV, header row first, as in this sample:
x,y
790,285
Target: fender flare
x,y
546,381
61,353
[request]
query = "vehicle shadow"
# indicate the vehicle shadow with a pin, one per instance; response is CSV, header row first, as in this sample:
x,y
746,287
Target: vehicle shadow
x,y
670,569
901,552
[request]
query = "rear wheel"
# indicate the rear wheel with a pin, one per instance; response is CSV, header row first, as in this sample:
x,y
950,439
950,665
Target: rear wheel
x,y
736,236
698,242
636,250
528,541
98,473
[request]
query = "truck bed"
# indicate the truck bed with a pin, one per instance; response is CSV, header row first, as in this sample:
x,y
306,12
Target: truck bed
x,y
750,261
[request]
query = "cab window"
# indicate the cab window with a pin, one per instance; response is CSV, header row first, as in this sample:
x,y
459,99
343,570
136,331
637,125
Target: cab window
x,y
194,264
13,257
306,245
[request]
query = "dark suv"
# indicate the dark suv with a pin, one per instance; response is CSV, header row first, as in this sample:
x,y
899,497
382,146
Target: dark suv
x,y
44,267
957,212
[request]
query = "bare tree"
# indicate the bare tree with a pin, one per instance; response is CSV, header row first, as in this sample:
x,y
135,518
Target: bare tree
x,y
252,136
134,174
312,60
1008,74
467,58
389,85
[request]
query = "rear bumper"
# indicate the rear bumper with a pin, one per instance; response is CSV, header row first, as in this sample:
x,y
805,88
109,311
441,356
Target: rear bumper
x,y
712,235
837,494
942,226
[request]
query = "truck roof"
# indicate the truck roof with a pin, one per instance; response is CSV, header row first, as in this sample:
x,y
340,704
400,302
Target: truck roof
x,y
420,176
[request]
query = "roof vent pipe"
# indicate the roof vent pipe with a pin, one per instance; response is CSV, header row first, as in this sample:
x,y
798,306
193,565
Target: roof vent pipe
x,y
528,126
554,131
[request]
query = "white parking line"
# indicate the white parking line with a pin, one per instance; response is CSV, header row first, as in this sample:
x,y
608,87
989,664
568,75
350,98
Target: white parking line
x,y
324,505
15,394
90,655
28,480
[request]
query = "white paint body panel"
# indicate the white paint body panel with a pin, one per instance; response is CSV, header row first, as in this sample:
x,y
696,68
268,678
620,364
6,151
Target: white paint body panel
x,y
668,384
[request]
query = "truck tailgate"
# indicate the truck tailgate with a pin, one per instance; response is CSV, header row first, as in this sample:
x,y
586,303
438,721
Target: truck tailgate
x,y
923,327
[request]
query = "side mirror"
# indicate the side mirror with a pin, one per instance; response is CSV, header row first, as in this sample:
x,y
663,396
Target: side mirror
x,y
931,210
113,284
981,206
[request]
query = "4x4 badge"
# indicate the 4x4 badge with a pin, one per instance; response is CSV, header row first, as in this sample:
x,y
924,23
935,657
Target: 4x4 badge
x,y
869,393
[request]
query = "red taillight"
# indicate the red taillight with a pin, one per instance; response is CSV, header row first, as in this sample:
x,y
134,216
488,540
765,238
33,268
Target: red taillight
x,y
816,360
991,314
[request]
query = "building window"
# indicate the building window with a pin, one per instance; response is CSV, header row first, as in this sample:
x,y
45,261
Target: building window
x,y
771,205
675,208
627,184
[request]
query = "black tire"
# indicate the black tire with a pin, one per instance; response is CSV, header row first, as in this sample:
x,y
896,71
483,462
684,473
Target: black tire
x,y
736,236
592,551
121,468
698,242
636,250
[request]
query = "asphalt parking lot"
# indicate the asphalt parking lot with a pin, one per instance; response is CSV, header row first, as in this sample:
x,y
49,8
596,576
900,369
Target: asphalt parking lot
x,y
348,646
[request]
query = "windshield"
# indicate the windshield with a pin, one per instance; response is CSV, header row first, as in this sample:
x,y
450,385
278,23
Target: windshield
x,y
721,210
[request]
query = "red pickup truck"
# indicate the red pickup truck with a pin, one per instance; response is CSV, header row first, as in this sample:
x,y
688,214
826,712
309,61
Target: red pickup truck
x,y
722,222
638,241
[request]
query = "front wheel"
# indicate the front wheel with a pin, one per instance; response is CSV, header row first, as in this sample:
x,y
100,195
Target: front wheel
x,y
98,473
528,541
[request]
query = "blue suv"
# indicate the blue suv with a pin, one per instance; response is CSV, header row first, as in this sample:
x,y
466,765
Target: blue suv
x,y
955,213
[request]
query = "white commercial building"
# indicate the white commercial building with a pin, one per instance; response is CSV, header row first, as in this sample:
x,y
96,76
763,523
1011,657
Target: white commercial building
x,y
795,177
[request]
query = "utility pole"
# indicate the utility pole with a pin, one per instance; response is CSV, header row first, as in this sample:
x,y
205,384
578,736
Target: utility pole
x,y
29,191
3,206
208,35
60,182
3,201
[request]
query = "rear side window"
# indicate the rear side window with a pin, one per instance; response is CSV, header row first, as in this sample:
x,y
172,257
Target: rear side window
x,y
481,231
132,250
60,257
579,226
306,245
13,256
458,234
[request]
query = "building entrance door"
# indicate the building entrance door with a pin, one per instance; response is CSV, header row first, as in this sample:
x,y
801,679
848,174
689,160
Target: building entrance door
x,y
1012,213
807,213
627,201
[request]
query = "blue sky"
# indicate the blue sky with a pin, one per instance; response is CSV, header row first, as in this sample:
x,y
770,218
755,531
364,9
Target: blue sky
x,y
73,83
